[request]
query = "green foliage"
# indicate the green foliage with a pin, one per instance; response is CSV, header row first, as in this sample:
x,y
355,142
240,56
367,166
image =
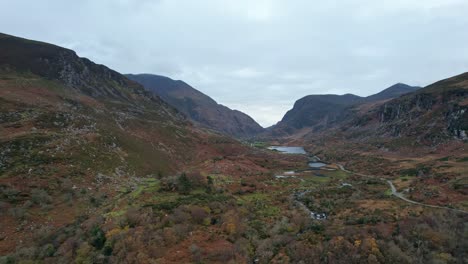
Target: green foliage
x,y
415,171
210,184
41,197
107,249
7,260
184,185
97,237
47,251
317,228
193,199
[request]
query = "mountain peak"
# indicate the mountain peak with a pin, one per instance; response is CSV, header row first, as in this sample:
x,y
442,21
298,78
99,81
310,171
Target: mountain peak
x,y
393,91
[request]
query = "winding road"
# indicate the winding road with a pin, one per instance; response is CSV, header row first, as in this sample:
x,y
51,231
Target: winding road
x,y
400,195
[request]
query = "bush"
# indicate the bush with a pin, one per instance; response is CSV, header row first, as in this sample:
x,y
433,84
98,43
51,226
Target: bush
x,y
198,214
98,238
107,250
18,213
3,208
184,185
196,253
9,194
7,260
40,197
132,217
47,250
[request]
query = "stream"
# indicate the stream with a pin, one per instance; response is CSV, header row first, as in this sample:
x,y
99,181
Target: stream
x,y
314,163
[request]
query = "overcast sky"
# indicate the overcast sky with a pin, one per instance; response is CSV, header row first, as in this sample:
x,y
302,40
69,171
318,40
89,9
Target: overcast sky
x,y
258,56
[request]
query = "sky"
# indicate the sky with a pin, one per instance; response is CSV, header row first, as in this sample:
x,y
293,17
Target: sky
x,y
258,56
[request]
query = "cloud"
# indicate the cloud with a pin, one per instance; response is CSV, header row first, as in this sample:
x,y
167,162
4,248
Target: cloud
x,y
259,56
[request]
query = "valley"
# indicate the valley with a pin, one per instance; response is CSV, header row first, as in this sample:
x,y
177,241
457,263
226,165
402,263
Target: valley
x,y
97,168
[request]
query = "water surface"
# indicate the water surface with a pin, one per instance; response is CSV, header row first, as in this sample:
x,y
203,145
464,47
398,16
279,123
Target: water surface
x,y
317,164
288,150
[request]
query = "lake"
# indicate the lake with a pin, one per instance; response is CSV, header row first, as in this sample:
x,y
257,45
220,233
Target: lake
x,y
317,164
288,150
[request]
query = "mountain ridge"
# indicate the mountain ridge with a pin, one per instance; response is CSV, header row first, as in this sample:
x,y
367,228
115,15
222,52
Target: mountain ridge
x,y
198,106
321,111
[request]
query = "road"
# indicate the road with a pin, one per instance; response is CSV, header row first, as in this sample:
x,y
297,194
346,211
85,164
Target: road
x,y
400,195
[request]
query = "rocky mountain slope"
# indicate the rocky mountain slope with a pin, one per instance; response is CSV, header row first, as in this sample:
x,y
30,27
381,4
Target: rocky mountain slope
x,y
75,136
199,107
319,112
434,114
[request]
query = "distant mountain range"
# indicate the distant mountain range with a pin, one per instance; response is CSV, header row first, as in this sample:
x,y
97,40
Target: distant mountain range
x,y
199,107
319,112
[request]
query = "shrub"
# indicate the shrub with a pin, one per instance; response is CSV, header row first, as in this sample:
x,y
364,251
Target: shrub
x,y
184,185
180,216
40,197
168,184
197,179
198,214
132,217
7,260
47,250
196,253
3,208
98,238
9,194
18,213
107,250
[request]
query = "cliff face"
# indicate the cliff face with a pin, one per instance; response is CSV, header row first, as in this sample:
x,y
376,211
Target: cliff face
x,y
431,115
199,107
56,63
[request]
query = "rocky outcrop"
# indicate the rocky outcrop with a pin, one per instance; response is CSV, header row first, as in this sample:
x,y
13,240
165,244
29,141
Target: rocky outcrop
x,y
57,63
431,115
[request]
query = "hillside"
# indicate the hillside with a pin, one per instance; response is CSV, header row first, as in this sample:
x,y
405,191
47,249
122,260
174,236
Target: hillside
x,y
429,116
199,107
319,112
76,137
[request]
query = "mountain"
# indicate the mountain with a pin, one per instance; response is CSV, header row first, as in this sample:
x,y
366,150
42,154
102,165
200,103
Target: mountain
x,y
56,63
392,92
314,111
199,107
77,138
70,96
95,169
318,112
429,116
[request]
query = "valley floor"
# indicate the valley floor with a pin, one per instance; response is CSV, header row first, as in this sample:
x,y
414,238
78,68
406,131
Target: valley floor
x,y
286,213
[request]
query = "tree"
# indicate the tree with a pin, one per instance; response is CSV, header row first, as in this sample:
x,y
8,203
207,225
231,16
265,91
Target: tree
x,y
184,185
210,184
98,238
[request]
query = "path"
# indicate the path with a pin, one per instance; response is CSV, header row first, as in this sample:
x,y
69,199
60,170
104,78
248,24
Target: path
x,y
400,195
